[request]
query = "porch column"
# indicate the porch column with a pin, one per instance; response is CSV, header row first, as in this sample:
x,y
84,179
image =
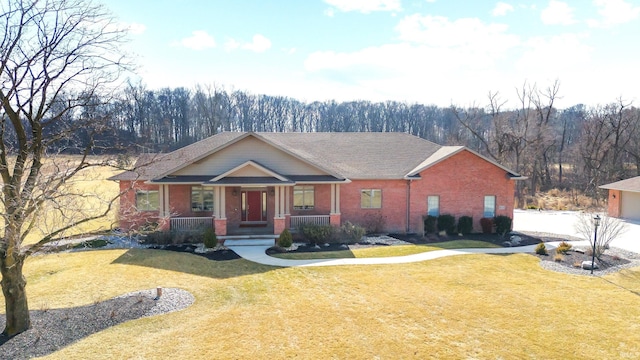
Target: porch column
x,y
334,215
287,210
164,221
278,217
219,210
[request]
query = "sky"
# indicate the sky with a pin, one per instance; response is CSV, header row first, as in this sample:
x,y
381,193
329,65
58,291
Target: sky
x,y
440,52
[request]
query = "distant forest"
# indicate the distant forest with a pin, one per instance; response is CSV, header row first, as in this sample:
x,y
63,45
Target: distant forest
x,y
580,147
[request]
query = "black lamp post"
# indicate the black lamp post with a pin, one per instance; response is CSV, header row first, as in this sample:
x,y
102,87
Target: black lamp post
x,y
596,223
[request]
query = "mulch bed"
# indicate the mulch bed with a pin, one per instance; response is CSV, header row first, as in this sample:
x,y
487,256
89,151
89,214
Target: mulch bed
x,y
217,255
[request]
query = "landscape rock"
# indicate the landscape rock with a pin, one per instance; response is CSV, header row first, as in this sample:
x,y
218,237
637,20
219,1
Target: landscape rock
x,y
506,244
515,240
587,265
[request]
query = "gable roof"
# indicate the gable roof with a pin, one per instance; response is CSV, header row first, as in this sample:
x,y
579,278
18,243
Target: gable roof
x,y
346,155
632,184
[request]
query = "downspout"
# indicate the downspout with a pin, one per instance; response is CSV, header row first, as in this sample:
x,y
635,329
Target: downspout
x,y
408,205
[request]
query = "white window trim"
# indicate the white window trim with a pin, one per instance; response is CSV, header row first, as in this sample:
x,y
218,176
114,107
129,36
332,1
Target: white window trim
x,y
371,197
437,197
306,189
148,205
202,190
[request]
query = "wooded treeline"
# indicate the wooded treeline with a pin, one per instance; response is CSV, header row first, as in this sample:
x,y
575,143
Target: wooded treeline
x,y
580,147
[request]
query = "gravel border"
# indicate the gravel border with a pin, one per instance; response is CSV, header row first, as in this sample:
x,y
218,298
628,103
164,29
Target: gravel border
x,y
633,258
53,329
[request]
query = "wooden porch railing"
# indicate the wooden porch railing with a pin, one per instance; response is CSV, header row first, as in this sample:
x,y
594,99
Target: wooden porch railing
x,y
191,223
296,221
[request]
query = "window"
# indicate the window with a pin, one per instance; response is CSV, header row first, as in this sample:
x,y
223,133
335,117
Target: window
x,y
201,198
433,205
371,198
147,200
489,206
303,197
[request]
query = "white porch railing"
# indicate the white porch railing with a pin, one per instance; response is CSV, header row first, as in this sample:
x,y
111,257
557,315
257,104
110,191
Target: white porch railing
x,y
191,223
296,221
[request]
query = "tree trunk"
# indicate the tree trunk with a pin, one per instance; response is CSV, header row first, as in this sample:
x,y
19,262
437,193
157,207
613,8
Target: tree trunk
x,y
15,296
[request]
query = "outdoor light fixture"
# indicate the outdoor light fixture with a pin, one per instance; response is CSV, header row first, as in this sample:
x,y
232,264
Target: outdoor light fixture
x,y
596,223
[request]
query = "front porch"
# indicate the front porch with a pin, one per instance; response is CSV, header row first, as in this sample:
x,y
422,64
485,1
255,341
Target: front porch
x,y
202,222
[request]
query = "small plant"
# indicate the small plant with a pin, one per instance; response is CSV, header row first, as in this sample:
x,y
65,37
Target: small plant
x,y
558,257
503,224
487,225
465,225
447,223
209,238
352,233
541,249
563,247
285,239
430,224
577,264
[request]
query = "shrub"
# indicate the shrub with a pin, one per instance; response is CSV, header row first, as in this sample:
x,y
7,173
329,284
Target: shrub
x,y
285,239
563,247
430,224
487,225
317,234
465,225
447,223
541,249
374,223
558,257
503,224
209,238
158,237
352,233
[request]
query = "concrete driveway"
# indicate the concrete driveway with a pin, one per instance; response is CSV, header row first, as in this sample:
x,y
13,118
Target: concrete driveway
x,y
562,222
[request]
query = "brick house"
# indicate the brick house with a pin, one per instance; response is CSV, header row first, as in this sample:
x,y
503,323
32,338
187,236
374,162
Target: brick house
x,y
253,182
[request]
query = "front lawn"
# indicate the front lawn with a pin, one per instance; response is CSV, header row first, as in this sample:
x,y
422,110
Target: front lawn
x,y
471,306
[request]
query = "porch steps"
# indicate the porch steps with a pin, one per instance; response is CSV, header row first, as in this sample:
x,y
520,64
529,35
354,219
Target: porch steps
x,y
248,240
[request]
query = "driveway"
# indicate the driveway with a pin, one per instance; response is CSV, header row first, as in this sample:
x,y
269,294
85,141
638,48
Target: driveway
x,y
562,222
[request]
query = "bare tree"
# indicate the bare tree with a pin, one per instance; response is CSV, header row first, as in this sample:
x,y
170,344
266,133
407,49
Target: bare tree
x,y
59,59
609,229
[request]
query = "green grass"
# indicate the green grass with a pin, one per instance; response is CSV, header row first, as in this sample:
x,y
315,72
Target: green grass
x,y
470,306
386,251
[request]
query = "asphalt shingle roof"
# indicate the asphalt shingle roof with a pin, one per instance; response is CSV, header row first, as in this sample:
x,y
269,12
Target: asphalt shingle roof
x,y
350,155
632,184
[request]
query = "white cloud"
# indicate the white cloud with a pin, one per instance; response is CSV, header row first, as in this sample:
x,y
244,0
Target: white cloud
x,y
501,9
464,34
558,57
557,13
199,40
259,43
364,6
614,12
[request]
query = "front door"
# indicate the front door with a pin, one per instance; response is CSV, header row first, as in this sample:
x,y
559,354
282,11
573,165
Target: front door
x,y
254,206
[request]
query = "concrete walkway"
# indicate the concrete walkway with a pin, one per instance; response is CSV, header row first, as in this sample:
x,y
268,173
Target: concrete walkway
x,y
258,255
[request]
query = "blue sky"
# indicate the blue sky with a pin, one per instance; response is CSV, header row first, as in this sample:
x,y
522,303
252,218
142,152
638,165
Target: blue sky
x,y
438,52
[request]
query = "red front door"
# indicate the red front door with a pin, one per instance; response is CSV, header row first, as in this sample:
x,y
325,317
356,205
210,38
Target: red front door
x,y
253,206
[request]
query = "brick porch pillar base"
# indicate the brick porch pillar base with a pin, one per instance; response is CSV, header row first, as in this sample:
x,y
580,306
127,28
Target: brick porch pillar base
x,y
220,226
279,224
334,220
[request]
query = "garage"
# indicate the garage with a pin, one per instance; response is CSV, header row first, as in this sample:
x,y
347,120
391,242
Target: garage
x,y
630,206
624,198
